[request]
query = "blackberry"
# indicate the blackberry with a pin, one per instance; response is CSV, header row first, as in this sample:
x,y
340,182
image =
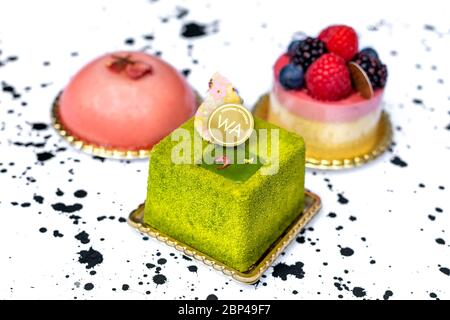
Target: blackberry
x,y
375,69
308,51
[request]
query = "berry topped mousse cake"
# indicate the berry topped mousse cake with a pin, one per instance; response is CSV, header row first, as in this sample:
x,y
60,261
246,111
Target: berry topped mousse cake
x,y
229,210
330,93
125,101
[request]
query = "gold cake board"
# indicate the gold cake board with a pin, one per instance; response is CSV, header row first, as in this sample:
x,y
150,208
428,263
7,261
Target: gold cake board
x,y
384,139
312,206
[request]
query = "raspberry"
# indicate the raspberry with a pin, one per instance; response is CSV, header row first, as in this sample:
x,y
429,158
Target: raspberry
x,y
341,40
328,78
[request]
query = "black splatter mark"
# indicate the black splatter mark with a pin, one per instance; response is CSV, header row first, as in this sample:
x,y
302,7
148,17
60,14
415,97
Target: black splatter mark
x,y
80,193
129,41
212,297
38,199
88,286
125,287
181,12
57,234
359,292
159,279
342,199
59,192
162,261
398,162
193,30
43,230
90,257
29,144
67,208
44,156
39,126
101,218
347,252
75,218
192,268
122,220
186,258
387,294
340,285
445,271
186,72
25,204
417,101
99,158
282,270
332,215
434,295
83,237
8,88
150,265
440,241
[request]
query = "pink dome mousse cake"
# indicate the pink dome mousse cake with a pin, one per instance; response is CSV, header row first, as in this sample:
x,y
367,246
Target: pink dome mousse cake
x,y
317,94
125,101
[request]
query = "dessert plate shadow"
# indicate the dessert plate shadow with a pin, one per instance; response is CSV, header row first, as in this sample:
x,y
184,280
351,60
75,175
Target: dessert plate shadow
x,y
384,138
312,206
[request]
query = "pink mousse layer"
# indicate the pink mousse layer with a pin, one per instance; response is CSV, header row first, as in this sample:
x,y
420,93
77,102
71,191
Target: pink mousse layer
x,y
112,110
303,105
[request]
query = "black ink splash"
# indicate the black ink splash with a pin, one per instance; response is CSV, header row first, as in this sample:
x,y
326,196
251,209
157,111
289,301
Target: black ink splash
x,y
90,257
159,279
342,199
67,208
193,30
80,194
347,252
44,156
359,292
282,270
398,162
192,268
387,295
83,237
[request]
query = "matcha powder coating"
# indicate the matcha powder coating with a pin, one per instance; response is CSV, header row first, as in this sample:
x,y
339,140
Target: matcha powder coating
x,y
233,221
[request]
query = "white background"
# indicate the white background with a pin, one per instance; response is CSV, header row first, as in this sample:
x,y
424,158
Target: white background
x,y
391,209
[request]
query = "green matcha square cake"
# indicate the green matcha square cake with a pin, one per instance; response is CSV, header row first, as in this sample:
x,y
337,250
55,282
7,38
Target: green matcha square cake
x,y
232,214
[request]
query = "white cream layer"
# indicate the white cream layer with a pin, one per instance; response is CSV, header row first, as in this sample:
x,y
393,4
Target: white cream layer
x,y
325,133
